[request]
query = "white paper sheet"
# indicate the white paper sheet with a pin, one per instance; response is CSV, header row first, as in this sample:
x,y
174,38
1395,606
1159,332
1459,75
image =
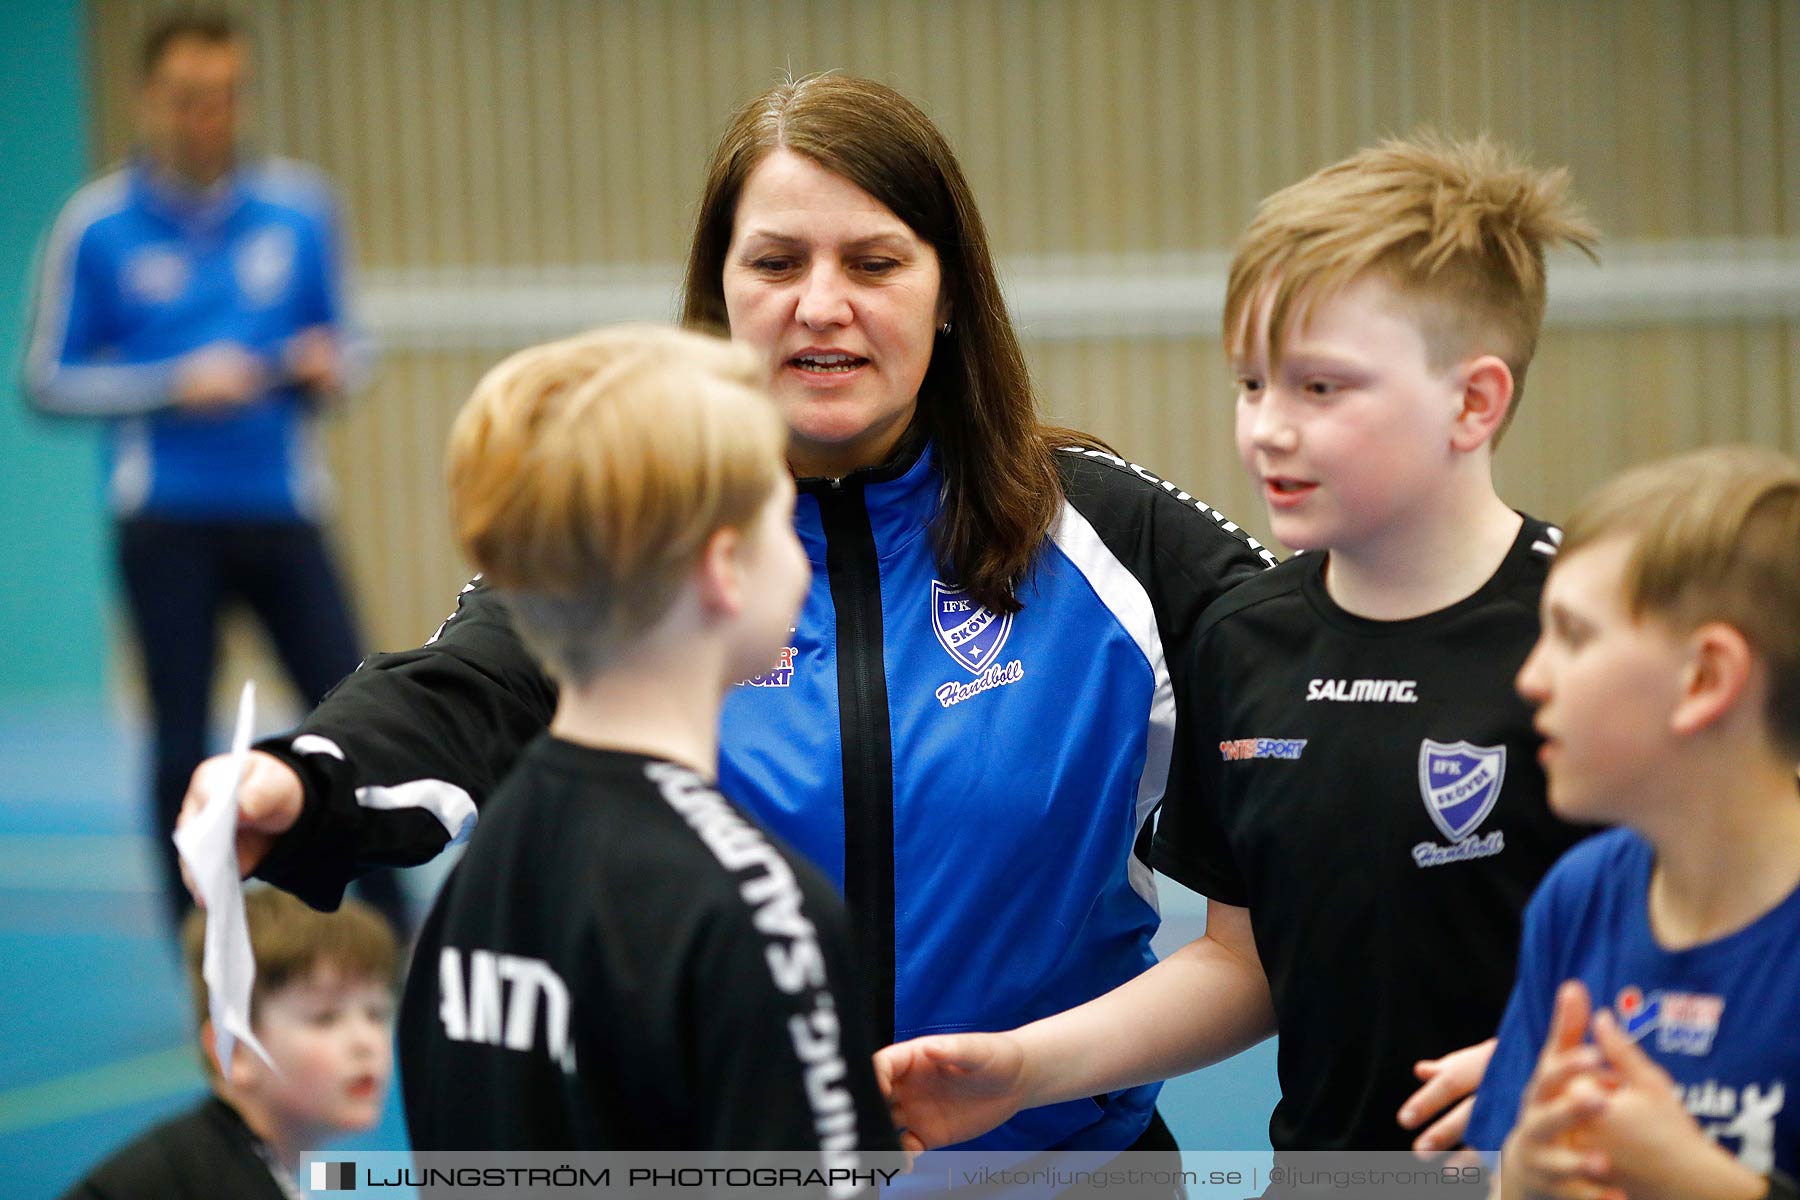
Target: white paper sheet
x,y
207,843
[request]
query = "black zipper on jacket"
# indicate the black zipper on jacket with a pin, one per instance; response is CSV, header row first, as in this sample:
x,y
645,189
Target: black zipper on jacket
x,y
866,741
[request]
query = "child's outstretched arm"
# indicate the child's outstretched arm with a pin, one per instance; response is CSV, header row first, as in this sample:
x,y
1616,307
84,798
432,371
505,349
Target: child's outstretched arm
x,y
1205,1002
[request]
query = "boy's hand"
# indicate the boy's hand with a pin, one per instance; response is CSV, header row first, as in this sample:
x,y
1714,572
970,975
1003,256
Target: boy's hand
x,y
1550,1152
313,360
269,802
1450,1083
951,1087
1657,1150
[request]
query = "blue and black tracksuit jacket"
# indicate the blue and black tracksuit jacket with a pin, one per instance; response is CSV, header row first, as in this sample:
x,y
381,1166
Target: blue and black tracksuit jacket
x,y
138,273
977,785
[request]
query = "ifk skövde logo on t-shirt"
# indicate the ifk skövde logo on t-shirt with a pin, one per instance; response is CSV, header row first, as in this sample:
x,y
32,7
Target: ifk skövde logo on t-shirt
x,y
969,633
974,637
1460,783
156,274
264,265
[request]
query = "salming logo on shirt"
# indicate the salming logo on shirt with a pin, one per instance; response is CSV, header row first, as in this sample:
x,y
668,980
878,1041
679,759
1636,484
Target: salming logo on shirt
x,y
796,963
1393,691
1220,518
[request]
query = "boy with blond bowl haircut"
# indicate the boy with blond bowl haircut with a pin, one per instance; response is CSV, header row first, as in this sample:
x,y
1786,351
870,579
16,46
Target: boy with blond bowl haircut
x,y
622,960
323,1007
1360,802
1667,687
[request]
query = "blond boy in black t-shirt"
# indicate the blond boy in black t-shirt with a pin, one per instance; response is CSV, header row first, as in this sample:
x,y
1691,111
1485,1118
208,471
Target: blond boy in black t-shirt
x,y
1360,803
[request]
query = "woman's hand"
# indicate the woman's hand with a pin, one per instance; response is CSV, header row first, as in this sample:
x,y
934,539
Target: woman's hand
x,y
270,798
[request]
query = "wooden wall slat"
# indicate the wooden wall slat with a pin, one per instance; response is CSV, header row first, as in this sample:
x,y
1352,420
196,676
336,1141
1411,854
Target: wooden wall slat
x,y
551,136
1787,115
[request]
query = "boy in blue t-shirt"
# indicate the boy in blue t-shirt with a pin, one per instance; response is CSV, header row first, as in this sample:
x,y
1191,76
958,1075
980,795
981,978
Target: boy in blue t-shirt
x,y
1667,682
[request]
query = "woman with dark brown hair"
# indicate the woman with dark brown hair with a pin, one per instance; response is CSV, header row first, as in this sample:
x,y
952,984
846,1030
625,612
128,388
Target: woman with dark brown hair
x,y
974,718
975,403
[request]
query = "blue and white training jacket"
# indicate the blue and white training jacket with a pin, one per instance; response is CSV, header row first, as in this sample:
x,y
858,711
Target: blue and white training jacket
x,y
975,784
137,273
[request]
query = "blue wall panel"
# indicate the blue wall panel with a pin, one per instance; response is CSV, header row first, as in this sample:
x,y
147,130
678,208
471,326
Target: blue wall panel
x,y
52,531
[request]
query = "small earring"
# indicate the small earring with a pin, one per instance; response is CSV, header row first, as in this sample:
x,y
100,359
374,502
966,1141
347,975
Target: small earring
x,y
944,329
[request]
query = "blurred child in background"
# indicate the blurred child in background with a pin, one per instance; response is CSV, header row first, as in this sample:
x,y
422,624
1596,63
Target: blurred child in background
x,y
323,1007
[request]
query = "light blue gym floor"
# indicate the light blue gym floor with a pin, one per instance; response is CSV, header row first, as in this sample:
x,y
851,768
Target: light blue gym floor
x,y
94,1037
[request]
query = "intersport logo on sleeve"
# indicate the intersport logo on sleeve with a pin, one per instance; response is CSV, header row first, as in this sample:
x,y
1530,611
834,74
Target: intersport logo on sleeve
x,y
1248,749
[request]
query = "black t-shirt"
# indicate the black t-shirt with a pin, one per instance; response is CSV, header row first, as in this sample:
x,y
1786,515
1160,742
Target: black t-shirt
x,y
1370,790
204,1153
623,961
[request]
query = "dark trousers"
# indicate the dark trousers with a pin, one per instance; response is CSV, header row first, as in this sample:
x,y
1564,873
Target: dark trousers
x,y
179,577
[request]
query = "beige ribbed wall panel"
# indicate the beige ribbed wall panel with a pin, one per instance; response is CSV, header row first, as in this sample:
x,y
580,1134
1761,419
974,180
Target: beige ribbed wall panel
x,y
1596,400
556,131
533,134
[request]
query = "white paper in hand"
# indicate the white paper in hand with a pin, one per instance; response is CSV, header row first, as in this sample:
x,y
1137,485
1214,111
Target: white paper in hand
x,y
207,843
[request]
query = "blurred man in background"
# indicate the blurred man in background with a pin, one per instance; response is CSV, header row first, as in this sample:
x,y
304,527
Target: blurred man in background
x,y
192,298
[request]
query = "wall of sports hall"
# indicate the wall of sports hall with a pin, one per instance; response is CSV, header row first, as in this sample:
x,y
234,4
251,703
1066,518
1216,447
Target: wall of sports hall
x,y
520,169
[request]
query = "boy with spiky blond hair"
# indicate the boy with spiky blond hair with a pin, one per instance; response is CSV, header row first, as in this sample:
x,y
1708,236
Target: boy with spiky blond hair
x,y
1360,802
1667,687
